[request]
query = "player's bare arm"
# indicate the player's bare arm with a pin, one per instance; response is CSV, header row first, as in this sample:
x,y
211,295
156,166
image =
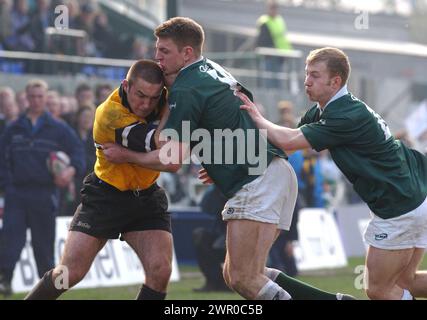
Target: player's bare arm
x,y
284,138
168,158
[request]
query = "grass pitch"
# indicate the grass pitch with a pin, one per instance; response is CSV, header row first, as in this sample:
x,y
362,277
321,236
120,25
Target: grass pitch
x,y
344,280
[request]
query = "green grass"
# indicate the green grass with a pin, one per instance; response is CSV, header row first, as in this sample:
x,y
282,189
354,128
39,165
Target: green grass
x,y
333,280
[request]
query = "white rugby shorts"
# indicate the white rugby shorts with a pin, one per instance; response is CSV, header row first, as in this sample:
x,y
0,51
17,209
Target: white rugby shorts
x,y
403,232
270,198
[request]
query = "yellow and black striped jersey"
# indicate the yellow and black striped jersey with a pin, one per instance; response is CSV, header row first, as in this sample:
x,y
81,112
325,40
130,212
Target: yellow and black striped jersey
x,y
115,122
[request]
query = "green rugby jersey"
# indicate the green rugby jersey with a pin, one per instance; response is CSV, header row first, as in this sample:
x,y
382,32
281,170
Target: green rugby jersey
x,y
388,176
203,97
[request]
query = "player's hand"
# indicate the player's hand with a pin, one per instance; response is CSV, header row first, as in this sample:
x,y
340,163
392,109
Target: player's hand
x,y
65,177
115,153
248,105
203,175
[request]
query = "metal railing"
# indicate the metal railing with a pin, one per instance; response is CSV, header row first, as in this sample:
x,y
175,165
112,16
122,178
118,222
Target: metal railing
x,y
246,66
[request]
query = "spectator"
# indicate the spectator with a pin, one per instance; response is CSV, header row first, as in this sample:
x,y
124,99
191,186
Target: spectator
x,y
310,180
272,34
68,106
85,21
5,20
334,186
210,242
139,49
6,92
53,104
40,20
22,101
20,38
10,110
8,107
102,92
102,35
84,95
73,12
286,114
31,190
85,118
84,130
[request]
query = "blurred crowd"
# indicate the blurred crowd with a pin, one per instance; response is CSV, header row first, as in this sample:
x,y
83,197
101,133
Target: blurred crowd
x,y
76,111
23,25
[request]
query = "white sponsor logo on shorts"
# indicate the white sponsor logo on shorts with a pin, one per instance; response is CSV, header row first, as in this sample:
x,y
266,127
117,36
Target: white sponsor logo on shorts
x,y
381,236
230,211
83,225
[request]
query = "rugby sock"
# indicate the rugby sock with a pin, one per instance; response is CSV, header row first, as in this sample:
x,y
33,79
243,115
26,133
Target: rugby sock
x,y
146,293
271,273
298,289
272,291
45,289
406,295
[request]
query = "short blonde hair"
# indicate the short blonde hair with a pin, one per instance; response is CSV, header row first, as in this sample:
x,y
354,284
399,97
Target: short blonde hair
x,y
36,83
337,61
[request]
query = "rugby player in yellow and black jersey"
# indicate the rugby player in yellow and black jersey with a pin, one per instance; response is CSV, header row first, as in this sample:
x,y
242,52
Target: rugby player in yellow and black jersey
x,y
122,199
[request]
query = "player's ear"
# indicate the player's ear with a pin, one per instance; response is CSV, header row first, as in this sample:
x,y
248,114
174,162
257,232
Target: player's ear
x,y
125,84
188,53
337,81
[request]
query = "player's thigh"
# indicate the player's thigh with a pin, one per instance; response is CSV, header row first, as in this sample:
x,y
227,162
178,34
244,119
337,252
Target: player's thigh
x,y
248,244
80,250
408,275
384,267
153,247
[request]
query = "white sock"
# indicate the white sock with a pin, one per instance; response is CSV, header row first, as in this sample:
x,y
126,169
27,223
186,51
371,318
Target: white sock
x,y
271,273
272,291
406,295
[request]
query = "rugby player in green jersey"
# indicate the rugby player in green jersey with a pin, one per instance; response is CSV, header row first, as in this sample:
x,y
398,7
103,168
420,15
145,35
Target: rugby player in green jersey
x,y
388,176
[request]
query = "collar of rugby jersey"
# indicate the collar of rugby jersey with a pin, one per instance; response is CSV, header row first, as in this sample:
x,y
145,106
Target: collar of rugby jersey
x,y
124,98
342,92
186,69
197,61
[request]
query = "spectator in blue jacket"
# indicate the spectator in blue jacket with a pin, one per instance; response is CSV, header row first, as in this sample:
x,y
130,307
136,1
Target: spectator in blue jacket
x,y
31,189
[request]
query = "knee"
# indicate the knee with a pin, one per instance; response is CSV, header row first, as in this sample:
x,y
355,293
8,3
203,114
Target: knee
x,y
158,272
69,276
375,293
239,280
372,294
406,281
